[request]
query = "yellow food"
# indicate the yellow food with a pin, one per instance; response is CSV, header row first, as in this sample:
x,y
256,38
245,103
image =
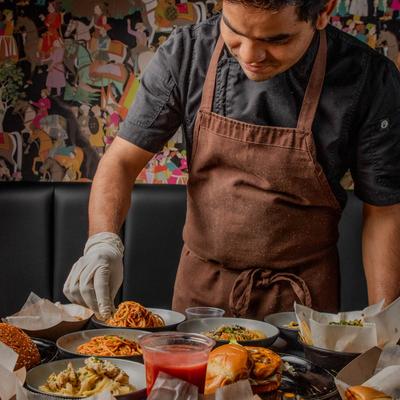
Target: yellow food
x,y
109,346
95,377
130,314
234,332
292,325
355,322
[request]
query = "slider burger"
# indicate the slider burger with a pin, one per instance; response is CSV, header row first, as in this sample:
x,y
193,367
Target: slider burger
x,y
365,393
232,362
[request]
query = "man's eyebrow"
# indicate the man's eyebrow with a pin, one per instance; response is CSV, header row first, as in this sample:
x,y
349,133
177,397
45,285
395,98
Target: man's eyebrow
x,y
276,38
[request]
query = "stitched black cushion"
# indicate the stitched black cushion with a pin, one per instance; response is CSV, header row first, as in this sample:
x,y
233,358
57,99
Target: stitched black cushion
x,y
153,237
26,241
44,229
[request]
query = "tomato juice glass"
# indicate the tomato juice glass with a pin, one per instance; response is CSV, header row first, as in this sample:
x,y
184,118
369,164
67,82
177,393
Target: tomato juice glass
x,y
179,354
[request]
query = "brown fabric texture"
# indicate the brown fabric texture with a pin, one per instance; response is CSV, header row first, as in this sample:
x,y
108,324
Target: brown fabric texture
x,y
261,225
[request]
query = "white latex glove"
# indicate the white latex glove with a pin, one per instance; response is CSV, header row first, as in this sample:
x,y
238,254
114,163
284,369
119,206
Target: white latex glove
x,y
95,278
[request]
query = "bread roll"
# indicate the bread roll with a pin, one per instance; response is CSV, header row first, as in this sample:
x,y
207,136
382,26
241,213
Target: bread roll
x,y
365,393
227,364
21,343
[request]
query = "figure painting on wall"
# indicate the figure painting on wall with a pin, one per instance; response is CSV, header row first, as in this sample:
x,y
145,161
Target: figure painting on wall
x,y
88,57
52,22
8,45
56,71
43,105
359,8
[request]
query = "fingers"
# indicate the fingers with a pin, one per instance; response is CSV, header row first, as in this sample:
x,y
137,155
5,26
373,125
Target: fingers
x,y
101,281
88,293
71,286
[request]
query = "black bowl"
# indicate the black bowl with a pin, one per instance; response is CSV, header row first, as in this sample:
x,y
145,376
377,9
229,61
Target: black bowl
x,y
47,349
328,359
281,321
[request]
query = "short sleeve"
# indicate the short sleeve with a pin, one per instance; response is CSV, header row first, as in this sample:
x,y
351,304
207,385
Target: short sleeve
x,y
156,113
375,164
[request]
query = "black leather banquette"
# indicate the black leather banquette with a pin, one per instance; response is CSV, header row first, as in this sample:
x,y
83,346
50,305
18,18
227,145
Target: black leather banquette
x,y
43,229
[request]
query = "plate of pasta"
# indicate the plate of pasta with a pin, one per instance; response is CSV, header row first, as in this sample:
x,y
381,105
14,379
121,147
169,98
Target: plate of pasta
x,y
247,332
84,377
110,342
133,315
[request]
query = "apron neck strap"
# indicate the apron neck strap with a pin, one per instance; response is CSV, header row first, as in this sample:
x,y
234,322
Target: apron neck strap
x,y
314,87
209,84
311,97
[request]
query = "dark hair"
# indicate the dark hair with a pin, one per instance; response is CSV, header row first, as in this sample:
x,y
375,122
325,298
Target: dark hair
x,y
307,10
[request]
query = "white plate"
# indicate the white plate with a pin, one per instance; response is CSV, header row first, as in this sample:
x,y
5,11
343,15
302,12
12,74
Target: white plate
x,y
38,376
171,319
68,344
203,325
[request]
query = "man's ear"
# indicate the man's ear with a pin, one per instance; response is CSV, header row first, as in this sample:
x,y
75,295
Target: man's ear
x,y
325,14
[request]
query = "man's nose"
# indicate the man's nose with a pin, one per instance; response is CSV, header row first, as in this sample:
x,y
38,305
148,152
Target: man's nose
x,y
251,52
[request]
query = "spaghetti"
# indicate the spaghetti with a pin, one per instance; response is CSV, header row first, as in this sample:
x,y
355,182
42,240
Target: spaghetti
x,y
109,346
130,314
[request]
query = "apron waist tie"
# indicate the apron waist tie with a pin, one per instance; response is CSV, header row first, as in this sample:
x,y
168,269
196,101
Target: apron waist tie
x,y
239,298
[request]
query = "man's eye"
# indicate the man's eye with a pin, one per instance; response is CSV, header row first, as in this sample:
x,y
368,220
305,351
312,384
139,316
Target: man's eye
x,y
279,42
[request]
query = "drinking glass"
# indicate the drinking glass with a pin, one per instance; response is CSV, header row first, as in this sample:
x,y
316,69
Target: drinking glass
x,y
179,354
203,312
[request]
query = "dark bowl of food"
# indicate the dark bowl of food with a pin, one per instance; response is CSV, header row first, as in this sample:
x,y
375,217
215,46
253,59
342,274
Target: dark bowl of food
x,y
247,332
328,359
288,327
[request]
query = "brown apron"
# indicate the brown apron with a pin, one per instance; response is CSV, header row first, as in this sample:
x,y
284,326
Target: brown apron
x,y
262,221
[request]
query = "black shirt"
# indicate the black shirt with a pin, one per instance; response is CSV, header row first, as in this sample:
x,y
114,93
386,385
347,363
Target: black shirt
x,y
358,119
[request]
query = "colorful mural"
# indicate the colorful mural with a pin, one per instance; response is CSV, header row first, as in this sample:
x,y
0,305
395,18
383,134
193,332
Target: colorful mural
x,y
69,72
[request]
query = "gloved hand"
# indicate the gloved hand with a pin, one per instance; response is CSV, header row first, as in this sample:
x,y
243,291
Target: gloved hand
x,y
95,278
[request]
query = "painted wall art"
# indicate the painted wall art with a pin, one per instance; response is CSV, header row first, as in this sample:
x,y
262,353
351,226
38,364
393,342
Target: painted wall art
x,y
70,69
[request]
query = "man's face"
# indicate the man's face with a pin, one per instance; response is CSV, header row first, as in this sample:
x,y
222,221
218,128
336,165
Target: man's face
x,y
265,42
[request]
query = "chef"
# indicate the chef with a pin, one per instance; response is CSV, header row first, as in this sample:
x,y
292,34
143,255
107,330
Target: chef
x,y
276,105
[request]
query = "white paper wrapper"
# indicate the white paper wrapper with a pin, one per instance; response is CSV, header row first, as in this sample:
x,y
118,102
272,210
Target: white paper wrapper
x,y
42,318
387,324
9,380
167,387
351,339
381,326
376,369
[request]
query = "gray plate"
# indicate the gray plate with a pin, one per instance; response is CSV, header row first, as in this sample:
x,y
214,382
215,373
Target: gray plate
x,y
171,319
281,320
207,324
38,376
68,344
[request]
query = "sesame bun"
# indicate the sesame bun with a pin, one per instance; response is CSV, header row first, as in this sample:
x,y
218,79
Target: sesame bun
x,y
365,393
226,364
21,343
232,362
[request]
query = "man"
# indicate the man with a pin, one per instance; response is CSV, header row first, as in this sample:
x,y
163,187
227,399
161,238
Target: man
x,y
276,105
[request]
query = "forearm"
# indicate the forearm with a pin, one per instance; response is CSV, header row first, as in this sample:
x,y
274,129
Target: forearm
x,y
111,190
381,252
109,198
